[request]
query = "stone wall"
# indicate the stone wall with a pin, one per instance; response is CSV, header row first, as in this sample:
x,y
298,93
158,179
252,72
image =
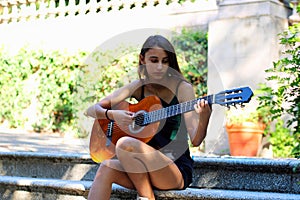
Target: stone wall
x,y
243,42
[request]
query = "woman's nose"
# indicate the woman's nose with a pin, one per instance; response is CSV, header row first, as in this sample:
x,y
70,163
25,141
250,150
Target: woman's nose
x,y
159,66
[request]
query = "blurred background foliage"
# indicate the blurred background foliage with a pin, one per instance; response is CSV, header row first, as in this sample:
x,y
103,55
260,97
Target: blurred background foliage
x,y
47,91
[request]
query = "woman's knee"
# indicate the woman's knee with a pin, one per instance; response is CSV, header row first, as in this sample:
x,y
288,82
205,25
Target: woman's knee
x,y
128,144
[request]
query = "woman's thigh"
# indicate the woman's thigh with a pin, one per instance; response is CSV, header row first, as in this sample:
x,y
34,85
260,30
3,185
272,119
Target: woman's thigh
x,y
163,172
167,178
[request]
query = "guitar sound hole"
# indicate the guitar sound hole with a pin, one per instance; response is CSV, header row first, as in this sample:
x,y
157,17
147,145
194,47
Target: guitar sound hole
x,y
139,119
138,123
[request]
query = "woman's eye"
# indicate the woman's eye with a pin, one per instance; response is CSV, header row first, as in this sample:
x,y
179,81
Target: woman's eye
x,y
165,61
154,60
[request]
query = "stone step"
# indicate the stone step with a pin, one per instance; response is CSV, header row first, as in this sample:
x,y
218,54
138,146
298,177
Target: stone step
x,y
25,188
256,174
210,173
72,166
233,173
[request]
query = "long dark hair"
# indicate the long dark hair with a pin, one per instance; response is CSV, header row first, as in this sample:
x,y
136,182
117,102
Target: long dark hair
x,y
161,42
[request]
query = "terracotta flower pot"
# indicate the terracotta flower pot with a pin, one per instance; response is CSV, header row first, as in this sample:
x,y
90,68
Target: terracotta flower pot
x,y
244,138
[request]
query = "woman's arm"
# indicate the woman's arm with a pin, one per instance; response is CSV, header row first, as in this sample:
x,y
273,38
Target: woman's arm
x,y
196,121
99,110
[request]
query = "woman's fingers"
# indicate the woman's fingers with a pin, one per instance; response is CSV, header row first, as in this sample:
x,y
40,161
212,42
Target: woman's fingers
x,y
200,105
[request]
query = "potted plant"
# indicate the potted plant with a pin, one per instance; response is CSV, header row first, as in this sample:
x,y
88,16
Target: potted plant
x,y
245,128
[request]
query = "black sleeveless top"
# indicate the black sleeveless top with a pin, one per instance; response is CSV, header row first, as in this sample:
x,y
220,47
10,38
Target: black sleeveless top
x,y
172,140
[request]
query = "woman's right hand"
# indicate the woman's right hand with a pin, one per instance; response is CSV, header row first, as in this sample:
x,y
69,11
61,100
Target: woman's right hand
x,y
121,117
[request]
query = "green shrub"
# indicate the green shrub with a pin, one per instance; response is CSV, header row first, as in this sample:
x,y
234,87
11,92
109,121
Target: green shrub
x,y
284,99
283,142
38,87
191,47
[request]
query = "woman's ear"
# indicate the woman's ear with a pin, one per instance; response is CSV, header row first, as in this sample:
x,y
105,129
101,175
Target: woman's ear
x,y
142,59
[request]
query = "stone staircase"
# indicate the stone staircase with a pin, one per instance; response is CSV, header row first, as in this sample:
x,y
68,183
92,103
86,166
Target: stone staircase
x,y
34,176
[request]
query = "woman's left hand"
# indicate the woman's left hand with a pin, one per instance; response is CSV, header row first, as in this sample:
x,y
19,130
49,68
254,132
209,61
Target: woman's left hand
x,y
202,107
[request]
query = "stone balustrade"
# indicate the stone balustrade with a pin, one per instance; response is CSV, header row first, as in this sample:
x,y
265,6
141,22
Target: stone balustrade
x,y
24,10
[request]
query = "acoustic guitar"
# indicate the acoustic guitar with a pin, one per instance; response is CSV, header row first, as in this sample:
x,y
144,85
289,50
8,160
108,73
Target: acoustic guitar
x,y
148,115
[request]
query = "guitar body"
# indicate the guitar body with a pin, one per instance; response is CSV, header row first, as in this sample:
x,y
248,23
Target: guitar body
x,y
102,147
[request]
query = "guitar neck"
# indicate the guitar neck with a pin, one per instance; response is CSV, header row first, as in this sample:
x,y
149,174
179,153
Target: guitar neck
x,y
173,110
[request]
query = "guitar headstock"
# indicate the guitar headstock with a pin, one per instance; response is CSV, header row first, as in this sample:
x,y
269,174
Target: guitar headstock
x,y
236,96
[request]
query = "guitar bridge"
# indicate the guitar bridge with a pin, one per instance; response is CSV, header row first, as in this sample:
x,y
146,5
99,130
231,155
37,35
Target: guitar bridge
x,y
109,133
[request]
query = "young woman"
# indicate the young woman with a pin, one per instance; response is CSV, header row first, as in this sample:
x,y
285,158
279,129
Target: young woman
x,y
164,162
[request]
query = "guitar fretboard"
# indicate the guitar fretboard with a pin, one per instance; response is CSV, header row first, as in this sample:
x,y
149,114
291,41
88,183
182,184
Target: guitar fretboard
x,y
224,98
173,110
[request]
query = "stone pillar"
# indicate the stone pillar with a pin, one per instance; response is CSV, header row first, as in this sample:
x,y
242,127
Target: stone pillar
x,y
243,42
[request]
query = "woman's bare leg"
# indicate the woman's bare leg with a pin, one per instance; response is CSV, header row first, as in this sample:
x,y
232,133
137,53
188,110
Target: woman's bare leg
x,y
110,171
147,167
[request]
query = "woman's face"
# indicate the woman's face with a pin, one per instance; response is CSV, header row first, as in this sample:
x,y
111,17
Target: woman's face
x,y
157,63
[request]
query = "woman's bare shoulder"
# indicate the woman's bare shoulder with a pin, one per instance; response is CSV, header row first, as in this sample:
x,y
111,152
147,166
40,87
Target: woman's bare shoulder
x,y
134,87
184,85
185,91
